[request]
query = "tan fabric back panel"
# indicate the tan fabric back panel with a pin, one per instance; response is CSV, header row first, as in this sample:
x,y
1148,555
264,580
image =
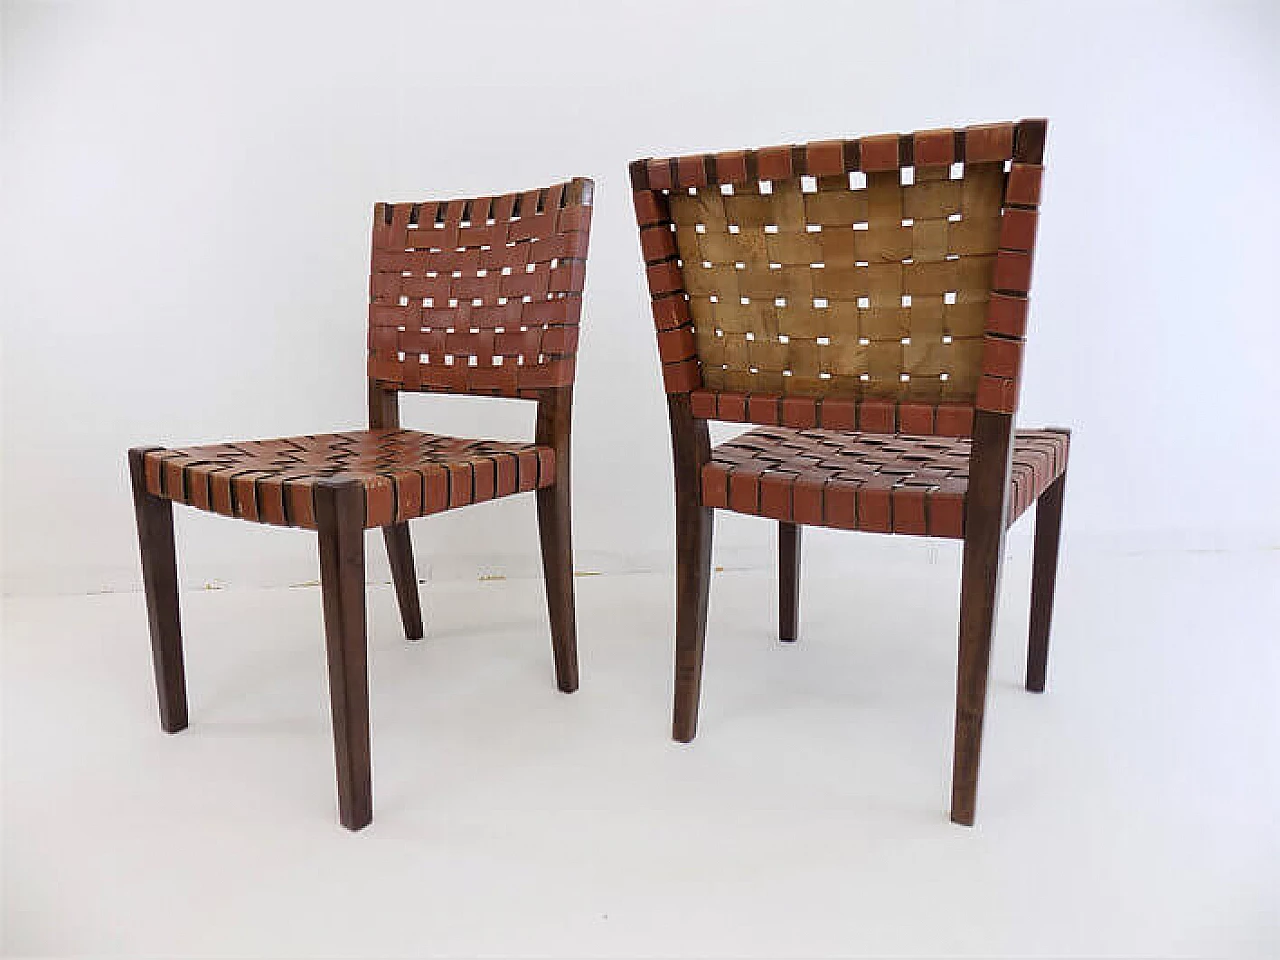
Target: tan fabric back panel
x,y
852,285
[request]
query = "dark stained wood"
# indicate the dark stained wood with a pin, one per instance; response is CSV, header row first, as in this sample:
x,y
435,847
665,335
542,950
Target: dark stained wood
x,y
384,413
1044,578
555,531
160,583
985,511
1028,140
340,520
691,447
384,408
789,581
405,576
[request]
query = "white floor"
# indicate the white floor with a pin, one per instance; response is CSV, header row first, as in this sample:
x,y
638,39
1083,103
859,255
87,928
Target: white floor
x,y
1132,811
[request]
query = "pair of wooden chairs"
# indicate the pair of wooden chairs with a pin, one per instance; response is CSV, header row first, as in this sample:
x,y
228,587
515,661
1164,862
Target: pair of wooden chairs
x,y
863,302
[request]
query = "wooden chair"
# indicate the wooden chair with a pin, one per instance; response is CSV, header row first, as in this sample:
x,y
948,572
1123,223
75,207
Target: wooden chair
x,y
865,302
475,296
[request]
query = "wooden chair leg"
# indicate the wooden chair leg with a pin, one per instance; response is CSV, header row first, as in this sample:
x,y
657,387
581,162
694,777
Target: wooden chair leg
x,y
788,581
690,450
694,526
985,512
556,536
1044,578
339,508
552,428
978,597
160,583
384,414
405,576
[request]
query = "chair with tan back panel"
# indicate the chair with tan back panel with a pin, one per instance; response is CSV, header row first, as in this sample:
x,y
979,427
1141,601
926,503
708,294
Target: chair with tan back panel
x,y
478,297
864,302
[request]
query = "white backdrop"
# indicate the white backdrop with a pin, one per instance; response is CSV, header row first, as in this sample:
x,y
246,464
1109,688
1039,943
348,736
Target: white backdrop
x,y
187,193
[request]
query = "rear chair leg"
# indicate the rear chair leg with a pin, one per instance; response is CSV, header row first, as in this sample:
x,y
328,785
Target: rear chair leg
x,y
694,526
405,577
339,509
690,451
986,513
1044,578
556,536
384,414
160,583
979,593
552,428
788,581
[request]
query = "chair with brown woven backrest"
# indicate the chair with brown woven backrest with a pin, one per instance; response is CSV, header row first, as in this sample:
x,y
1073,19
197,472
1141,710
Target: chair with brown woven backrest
x,y
865,302
477,296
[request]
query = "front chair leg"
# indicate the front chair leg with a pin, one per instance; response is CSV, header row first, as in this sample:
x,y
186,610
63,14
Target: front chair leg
x,y
788,581
339,508
405,577
160,583
1044,578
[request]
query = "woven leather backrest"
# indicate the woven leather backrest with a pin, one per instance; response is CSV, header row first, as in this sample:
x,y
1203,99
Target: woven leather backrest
x,y
888,273
479,296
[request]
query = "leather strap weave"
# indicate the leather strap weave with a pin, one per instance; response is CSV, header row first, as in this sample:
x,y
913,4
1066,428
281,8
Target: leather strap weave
x,y
891,269
404,473
859,481
479,296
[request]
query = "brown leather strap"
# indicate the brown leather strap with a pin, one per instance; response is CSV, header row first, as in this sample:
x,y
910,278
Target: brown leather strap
x,y
479,296
862,481
404,474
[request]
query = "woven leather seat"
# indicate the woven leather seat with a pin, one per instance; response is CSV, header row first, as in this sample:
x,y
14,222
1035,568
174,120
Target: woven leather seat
x,y
866,481
405,474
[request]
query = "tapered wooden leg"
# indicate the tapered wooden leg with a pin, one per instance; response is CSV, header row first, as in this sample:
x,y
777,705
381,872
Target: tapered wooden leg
x,y
384,414
555,533
978,594
1044,578
690,447
694,526
788,581
160,583
985,512
405,577
339,507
